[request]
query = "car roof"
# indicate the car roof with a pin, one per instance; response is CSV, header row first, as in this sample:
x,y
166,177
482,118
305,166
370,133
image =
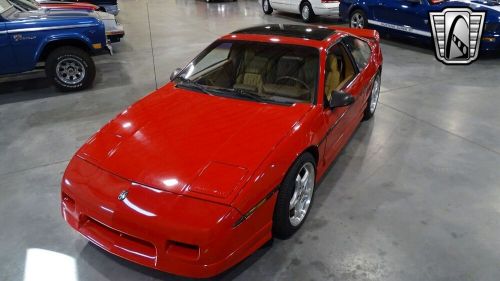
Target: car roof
x,y
315,36
310,32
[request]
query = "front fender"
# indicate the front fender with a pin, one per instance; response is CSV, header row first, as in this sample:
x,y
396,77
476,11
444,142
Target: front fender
x,y
85,36
60,37
347,7
273,169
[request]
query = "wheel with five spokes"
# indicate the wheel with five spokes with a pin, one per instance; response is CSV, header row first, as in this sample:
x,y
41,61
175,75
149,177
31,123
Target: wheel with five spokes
x,y
295,197
357,19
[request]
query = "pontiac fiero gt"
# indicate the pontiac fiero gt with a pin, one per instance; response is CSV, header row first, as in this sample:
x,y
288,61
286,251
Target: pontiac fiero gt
x,y
199,174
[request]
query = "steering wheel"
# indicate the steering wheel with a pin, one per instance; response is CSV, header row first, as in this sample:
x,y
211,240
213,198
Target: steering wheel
x,y
294,79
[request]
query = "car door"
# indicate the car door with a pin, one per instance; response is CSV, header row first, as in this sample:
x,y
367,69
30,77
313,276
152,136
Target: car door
x,y
408,17
7,60
340,73
280,5
25,42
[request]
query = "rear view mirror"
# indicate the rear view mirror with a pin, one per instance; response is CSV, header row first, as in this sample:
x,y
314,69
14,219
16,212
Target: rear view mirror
x,y
174,73
414,1
340,99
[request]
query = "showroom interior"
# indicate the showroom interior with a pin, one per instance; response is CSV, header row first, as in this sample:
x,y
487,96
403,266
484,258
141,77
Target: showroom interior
x,y
413,195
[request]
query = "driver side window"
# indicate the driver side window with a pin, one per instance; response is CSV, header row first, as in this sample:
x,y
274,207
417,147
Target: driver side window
x,y
339,70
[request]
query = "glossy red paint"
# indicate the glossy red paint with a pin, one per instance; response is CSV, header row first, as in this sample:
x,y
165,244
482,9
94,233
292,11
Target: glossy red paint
x,y
194,164
68,5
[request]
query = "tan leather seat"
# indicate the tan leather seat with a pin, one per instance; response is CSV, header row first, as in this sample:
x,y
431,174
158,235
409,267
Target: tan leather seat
x,y
252,76
332,79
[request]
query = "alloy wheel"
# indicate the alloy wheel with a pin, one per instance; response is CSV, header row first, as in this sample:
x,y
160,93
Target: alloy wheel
x,y
70,71
375,94
305,12
357,21
302,195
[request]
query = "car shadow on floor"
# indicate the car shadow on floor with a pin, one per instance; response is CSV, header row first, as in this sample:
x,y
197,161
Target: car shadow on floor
x,y
336,170
27,87
35,85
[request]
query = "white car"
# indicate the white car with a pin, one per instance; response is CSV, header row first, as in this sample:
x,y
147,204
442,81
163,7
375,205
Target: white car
x,y
306,8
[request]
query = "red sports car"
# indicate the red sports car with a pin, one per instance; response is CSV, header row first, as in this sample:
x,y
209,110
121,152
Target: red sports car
x,y
196,176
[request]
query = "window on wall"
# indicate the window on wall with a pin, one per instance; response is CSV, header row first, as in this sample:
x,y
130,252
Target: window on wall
x,y
339,70
360,51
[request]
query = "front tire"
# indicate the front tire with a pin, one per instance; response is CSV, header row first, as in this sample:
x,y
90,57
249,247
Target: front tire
x,y
266,7
372,103
306,12
70,69
295,197
358,19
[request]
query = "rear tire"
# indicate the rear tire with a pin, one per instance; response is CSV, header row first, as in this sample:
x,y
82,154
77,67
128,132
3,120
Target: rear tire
x,y
295,197
372,102
266,7
70,68
358,19
306,11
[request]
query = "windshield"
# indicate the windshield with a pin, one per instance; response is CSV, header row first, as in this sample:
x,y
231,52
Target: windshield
x,y
260,71
4,6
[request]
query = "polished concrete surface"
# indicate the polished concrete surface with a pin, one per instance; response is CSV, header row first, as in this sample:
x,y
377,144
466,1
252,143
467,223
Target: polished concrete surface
x,y
414,196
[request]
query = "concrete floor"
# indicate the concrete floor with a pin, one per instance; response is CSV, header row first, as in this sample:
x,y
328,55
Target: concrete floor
x,y
414,196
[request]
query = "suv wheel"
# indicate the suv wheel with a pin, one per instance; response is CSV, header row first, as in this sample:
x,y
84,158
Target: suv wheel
x,y
70,68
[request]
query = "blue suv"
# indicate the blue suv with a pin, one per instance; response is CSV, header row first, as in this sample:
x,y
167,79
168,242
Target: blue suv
x,y
62,41
410,18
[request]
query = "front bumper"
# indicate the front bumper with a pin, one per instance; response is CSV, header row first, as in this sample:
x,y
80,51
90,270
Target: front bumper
x,y
159,229
112,9
327,9
116,34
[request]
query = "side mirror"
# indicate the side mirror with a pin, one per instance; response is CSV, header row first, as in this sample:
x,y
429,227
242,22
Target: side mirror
x,y
340,99
174,73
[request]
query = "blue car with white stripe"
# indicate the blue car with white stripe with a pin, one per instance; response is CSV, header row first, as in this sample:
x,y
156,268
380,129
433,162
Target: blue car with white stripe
x,y
61,41
410,18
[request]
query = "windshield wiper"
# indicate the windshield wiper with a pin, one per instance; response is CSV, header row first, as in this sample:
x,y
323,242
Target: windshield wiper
x,y
242,93
191,85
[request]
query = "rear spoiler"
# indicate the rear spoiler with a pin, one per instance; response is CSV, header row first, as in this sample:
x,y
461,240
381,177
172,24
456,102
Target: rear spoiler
x,y
369,34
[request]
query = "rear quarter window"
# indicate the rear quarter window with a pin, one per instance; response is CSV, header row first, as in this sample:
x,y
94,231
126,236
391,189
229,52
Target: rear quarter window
x,y
360,51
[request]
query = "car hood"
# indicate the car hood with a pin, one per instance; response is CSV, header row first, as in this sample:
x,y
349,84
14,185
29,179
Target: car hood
x,y
191,143
47,14
67,5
